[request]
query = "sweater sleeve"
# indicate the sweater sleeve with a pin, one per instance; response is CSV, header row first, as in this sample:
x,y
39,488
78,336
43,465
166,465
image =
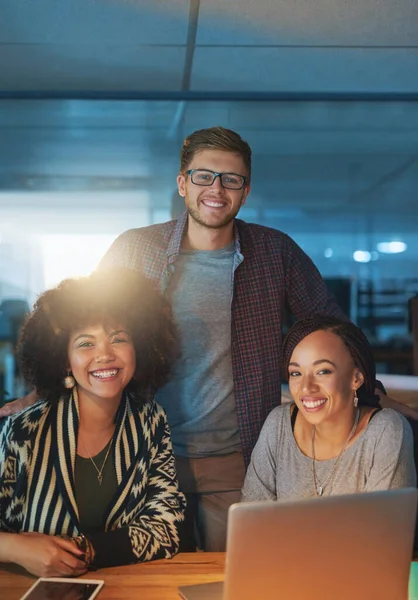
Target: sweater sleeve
x,y
121,252
7,465
260,480
154,532
393,460
306,291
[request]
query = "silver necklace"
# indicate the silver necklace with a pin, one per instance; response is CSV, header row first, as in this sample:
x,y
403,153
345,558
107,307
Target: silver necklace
x,y
319,487
99,471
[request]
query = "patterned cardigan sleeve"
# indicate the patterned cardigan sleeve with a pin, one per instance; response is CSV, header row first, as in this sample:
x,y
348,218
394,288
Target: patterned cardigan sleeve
x,y
154,532
7,471
17,434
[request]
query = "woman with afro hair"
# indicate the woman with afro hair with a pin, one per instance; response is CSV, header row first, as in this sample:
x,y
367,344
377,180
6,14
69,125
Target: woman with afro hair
x,y
334,438
87,474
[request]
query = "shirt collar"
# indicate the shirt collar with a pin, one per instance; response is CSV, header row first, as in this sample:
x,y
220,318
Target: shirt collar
x,y
179,229
176,237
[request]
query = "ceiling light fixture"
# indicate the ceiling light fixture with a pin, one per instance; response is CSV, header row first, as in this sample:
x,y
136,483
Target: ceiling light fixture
x,y
362,256
394,247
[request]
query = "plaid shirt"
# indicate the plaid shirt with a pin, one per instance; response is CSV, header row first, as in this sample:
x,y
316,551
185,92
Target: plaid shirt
x,y
275,276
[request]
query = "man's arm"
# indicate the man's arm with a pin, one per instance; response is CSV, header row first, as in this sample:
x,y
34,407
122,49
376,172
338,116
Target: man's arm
x,y
121,253
17,405
404,409
306,291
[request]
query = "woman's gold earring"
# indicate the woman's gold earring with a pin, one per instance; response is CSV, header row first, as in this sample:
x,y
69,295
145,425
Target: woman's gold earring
x,y
69,381
355,399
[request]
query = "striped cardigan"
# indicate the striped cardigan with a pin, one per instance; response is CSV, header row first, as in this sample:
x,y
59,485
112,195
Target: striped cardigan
x,y
37,489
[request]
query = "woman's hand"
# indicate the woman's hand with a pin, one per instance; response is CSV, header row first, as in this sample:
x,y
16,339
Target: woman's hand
x,y
47,555
404,409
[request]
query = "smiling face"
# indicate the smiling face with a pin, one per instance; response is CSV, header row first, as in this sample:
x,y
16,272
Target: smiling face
x,y
213,206
102,361
323,378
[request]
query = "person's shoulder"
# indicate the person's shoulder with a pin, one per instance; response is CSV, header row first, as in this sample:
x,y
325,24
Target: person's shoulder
x,y
260,230
150,409
155,408
274,428
261,234
29,417
278,415
149,234
154,422
391,423
24,424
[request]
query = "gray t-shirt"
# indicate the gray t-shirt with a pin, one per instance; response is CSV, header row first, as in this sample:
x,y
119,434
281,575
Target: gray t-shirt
x,y
381,458
199,398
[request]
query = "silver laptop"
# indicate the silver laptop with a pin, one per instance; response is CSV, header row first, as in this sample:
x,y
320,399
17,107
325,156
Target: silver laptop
x,y
335,548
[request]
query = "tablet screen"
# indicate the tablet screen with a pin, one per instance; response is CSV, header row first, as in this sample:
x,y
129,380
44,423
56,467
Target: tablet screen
x,y
50,589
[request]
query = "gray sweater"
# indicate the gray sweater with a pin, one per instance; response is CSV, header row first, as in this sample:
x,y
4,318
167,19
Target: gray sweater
x,y
381,458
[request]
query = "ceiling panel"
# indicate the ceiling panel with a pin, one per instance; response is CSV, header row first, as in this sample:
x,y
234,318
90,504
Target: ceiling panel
x,y
332,143
324,116
80,22
206,114
354,172
91,114
259,116
318,23
90,156
305,70
94,67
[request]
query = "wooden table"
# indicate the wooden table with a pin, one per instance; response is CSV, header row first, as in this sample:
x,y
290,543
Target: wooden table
x,y
157,580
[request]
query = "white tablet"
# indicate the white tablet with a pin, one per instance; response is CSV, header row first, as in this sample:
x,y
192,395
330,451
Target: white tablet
x,y
64,589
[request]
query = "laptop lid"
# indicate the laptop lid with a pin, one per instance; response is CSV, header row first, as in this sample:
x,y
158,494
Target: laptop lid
x,y
339,547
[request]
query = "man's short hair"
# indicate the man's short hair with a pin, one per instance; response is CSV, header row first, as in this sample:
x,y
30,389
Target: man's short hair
x,y
214,138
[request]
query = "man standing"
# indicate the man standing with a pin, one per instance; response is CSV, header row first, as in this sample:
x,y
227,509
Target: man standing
x,y
230,284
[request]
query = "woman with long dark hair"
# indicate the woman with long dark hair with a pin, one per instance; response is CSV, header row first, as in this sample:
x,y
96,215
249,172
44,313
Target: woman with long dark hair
x,y
334,438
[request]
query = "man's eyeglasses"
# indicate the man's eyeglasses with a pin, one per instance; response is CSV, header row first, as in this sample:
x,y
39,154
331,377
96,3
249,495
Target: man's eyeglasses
x,y
231,181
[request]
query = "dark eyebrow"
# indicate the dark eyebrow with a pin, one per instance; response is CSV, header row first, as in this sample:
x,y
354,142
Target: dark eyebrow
x,y
317,362
326,360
